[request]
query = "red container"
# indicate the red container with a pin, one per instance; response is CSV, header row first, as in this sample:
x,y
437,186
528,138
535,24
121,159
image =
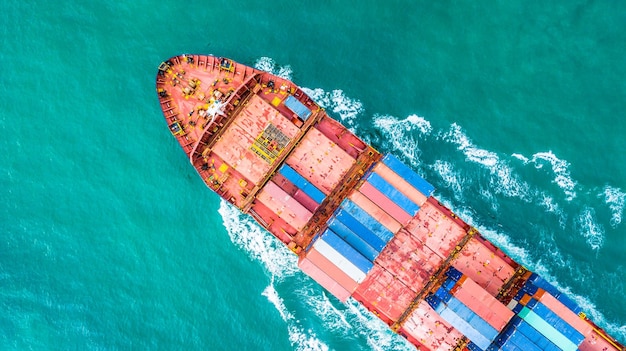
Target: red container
x,y
482,303
323,279
429,329
285,206
409,260
385,295
373,210
436,230
331,270
483,266
399,183
385,203
565,313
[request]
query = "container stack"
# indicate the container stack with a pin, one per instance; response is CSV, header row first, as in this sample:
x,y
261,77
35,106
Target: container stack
x,y
545,320
470,309
358,231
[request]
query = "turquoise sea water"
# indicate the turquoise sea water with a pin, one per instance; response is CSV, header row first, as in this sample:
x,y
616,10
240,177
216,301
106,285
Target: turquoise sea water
x,y
109,240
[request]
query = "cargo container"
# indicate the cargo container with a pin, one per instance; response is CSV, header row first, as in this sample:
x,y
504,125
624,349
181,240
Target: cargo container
x,y
373,239
368,221
357,242
426,327
392,193
408,174
323,279
390,207
375,211
302,183
547,330
400,183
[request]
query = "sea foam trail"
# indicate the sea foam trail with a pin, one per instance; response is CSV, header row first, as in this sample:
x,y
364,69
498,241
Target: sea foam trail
x,y
401,132
615,199
349,320
279,262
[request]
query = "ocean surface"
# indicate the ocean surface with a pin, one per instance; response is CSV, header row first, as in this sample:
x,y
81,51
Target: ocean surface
x,y
109,240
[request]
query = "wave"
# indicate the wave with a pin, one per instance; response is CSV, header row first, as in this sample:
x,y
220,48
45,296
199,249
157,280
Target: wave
x,y
279,262
560,169
451,178
502,179
616,199
400,134
268,64
590,229
338,103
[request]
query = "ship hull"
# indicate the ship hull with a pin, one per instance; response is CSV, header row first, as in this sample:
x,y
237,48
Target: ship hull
x,y
363,224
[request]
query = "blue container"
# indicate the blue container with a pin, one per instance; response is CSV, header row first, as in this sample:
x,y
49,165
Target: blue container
x,y
311,190
542,283
443,294
473,319
536,337
408,174
368,221
569,303
347,251
521,342
297,107
532,303
392,193
529,288
558,323
518,308
359,229
454,273
433,300
473,347
449,284
465,328
354,240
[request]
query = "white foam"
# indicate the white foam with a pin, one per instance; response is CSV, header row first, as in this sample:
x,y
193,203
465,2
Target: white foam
x,y
521,157
561,172
268,64
616,199
456,136
400,136
249,236
503,180
301,339
277,259
590,229
552,207
451,178
338,103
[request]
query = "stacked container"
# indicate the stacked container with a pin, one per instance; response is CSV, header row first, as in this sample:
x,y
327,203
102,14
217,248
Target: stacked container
x,y
470,309
543,322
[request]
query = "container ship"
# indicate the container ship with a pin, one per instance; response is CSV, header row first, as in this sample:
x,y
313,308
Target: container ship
x,y
363,225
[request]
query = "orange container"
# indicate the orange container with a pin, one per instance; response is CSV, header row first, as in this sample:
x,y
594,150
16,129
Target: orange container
x,y
331,270
285,206
323,279
399,183
385,203
483,304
